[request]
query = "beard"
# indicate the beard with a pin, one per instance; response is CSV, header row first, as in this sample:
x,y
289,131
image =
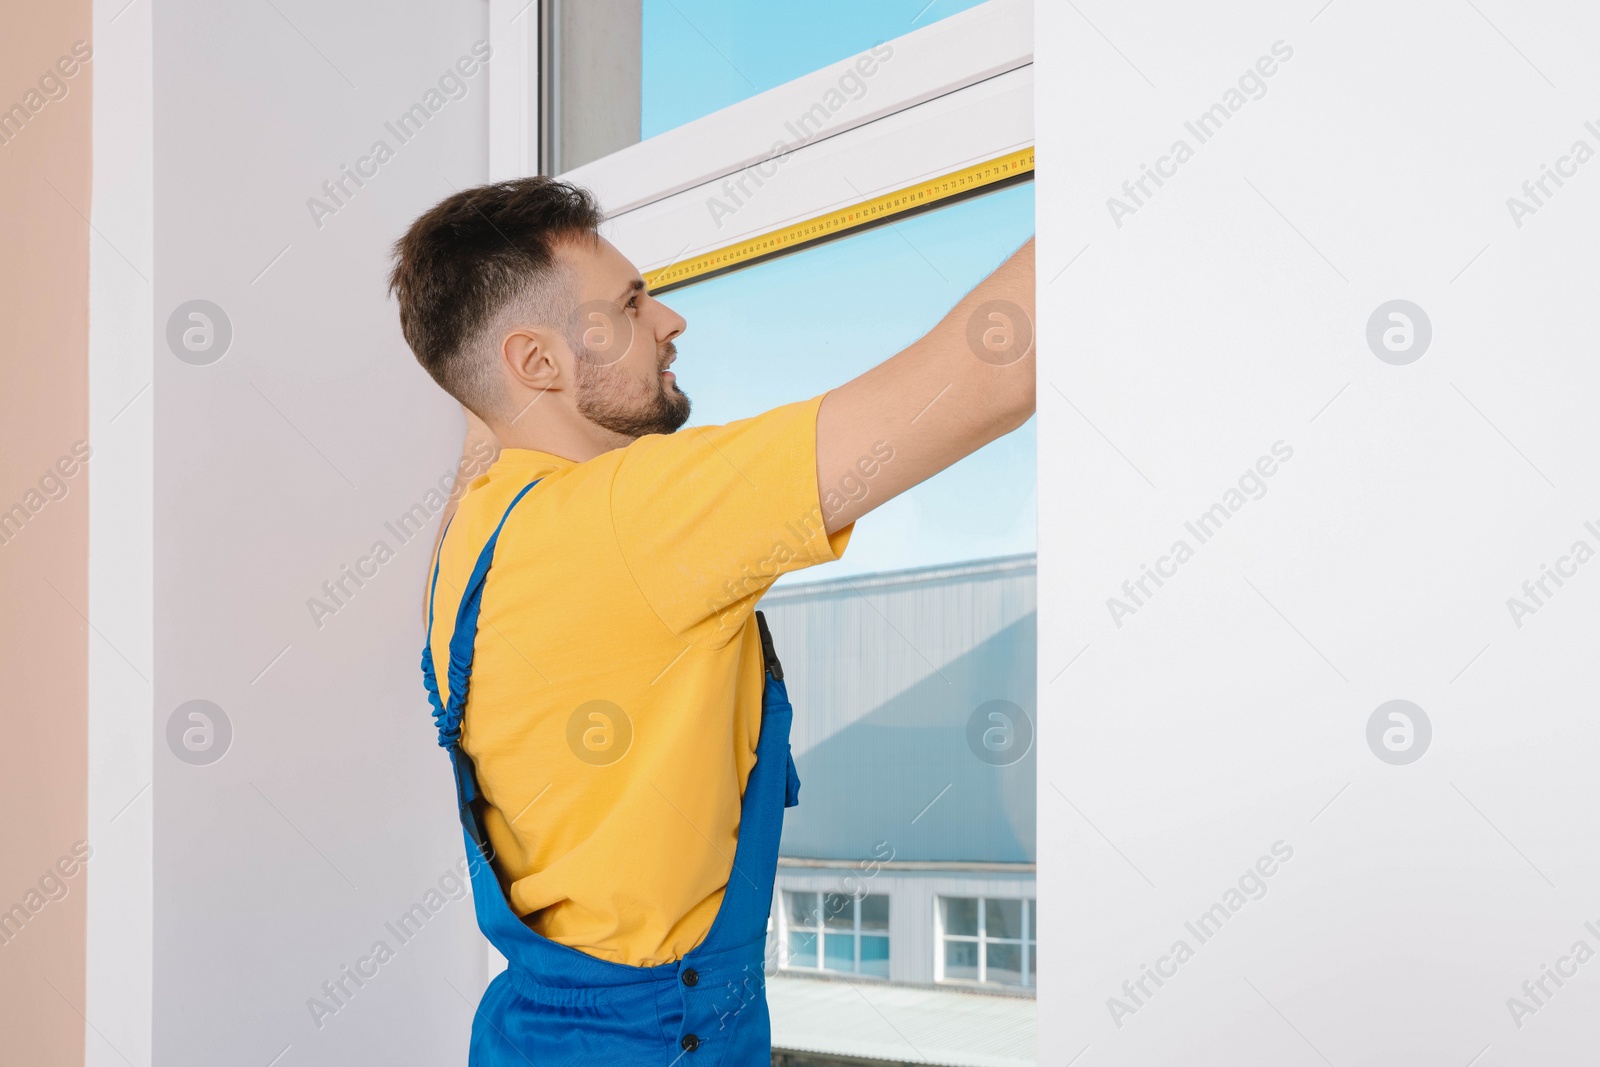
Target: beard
x,y
610,399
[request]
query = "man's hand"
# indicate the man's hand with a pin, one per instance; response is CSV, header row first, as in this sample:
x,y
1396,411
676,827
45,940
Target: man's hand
x,y
966,382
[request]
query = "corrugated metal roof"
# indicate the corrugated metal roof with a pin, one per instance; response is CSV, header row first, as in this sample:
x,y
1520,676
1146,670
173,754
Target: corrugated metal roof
x,y
886,673
873,1020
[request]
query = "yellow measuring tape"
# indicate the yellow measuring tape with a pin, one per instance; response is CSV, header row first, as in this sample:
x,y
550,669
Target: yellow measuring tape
x,y
834,224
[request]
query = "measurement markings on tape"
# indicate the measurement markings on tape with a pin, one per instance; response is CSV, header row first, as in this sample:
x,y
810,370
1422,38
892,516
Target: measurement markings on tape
x,y
836,223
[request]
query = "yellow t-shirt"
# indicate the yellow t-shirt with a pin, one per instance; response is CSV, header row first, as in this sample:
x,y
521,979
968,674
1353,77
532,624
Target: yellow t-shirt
x,y
615,700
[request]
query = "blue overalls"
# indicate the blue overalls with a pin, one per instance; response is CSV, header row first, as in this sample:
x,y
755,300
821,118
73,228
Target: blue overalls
x,y
555,1006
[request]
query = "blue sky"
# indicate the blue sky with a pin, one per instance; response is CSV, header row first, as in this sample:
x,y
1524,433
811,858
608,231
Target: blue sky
x,y
799,325
702,55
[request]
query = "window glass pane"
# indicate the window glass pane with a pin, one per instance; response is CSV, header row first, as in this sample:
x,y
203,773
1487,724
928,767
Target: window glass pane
x,y
960,915
839,952
802,950
1005,964
961,960
875,956
1033,919
802,908
699,56
875,912
838,911
1033,964
797,326
1003,918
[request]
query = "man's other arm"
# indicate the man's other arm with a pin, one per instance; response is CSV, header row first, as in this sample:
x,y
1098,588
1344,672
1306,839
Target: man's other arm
x,y
478,452
966,382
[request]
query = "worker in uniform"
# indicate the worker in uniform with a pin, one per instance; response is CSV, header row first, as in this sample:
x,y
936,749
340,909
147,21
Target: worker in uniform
x,y
611,701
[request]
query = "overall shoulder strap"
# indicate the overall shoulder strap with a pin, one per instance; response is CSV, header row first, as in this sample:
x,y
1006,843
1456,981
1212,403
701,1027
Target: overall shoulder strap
x,y
769,653
429,679
447,714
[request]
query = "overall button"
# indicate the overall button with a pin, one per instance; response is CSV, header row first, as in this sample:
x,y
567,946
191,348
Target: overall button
x,y
690,976
690,1042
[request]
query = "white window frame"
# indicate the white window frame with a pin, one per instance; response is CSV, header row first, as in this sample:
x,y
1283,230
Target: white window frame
x,y
821,932
1028,941
956,93
514,89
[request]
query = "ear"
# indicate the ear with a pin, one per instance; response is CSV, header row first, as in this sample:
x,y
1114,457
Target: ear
x,y
530,357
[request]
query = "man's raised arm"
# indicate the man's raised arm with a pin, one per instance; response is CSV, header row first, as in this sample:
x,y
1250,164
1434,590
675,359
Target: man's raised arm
x,y
966,382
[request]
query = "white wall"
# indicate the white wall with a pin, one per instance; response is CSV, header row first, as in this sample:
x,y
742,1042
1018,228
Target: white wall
x,y
1229,312
333,811
120,936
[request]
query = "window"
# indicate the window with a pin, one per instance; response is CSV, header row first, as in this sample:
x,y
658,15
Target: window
x,y
836,932
987,940
616,71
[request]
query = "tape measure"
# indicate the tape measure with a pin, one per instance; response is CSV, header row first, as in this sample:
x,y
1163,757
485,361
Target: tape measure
x,y
872,212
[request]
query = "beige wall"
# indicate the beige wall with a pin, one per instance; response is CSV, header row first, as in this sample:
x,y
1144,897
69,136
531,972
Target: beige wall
x,y
44,290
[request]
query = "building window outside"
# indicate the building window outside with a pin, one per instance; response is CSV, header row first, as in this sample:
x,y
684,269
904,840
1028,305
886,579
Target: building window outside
x,y
989,941
836,932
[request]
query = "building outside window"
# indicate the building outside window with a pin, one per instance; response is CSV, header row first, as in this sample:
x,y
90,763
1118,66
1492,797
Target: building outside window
x,y
836,932
891,673
989,941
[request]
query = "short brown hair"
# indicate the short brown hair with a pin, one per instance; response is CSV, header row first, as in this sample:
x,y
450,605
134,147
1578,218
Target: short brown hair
x,y
464,261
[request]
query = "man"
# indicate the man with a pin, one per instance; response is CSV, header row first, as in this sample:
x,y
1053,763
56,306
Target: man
x,y
612,703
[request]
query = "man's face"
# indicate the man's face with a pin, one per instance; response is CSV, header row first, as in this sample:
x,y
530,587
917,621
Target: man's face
x,y
621,340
